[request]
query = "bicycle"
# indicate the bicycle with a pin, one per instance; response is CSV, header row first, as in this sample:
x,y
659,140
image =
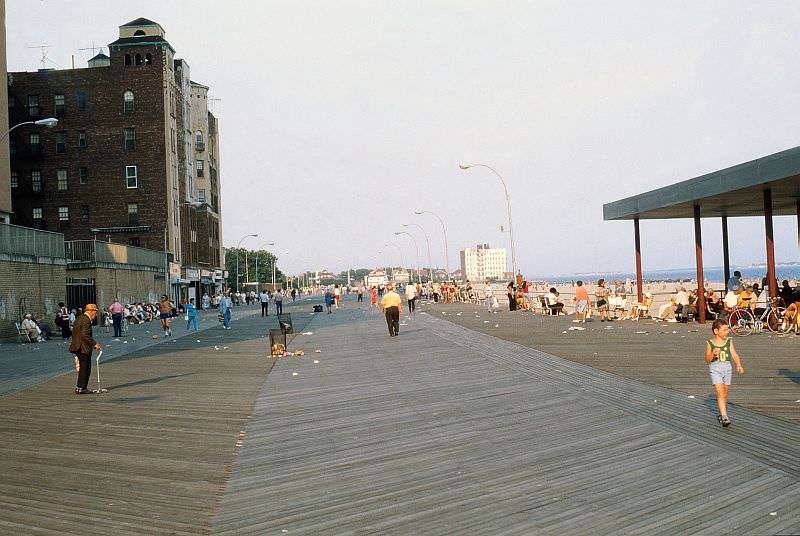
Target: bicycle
x,y
743,323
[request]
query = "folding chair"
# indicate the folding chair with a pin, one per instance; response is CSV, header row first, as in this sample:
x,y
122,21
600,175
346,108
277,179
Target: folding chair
x,y
22,333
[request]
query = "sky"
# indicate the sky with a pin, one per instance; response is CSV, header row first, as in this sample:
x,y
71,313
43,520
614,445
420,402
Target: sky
x,y
339,119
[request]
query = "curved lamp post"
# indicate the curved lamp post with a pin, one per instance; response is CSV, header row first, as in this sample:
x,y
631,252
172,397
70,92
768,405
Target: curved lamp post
x,y
428,242
444,230
258,256
419,279
237,256
508,207
50,122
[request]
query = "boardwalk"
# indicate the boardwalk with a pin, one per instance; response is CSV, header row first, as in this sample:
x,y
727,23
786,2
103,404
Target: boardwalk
x,y
442,430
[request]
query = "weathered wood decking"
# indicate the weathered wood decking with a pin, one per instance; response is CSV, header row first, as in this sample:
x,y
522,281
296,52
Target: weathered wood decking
x,y
442,430
445,431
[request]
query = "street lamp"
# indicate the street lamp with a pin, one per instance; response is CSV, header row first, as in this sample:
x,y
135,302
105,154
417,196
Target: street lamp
x,y
508,207
427,241
50,122
257,257
419,280
237,256
444,230
400,251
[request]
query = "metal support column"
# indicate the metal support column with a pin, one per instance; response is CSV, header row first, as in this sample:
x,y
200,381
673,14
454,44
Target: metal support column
x,y
638,244
698,251
771,281
726,258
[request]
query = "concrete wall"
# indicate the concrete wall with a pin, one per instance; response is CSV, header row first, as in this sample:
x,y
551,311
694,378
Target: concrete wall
x,y
29,286
126,285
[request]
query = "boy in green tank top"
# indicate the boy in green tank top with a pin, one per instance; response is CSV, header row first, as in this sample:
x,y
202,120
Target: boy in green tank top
x,y
719,353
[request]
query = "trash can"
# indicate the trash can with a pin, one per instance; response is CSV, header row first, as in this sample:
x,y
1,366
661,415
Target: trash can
x,y
317,308
277,342
285,321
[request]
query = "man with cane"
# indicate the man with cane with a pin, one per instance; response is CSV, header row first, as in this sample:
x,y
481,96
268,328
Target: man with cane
x,y
82,345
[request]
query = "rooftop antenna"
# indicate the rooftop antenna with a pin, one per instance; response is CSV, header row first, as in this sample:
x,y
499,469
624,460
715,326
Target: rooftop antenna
x,y
44,59
212,101
93,48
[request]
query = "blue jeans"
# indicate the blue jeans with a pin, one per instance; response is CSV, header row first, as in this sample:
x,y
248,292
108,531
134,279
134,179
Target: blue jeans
x,y
226,318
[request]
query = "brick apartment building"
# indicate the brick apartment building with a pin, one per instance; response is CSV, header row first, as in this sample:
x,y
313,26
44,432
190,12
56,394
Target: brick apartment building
x,y
133,160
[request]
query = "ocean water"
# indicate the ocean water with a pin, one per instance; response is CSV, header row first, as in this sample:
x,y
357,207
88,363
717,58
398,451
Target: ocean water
x,y
755,273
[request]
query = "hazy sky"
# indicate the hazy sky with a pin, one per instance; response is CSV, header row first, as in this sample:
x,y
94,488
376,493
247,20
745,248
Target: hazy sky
x,y
338,119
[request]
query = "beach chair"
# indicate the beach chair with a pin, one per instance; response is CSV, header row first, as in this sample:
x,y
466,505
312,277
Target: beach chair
x,y
619,306
22,333
643,309
545,308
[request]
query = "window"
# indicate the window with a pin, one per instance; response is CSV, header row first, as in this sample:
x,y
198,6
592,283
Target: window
x,y
14,179
131,177
85,213
138,59
82,138
134,241
63,216
33,105
36,180
148,59
80,99
128,59
35,146
199,168
130,139
83,175
62,180
38,218
198,141
133,214
139,33
61,142
175,211
37,213
172,137
60,104
201,195
128,101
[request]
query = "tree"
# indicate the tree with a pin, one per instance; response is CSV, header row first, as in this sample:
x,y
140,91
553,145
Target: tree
x,y
259,264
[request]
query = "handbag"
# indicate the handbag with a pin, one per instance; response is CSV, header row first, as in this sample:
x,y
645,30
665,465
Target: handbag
x,y
601,302
221,317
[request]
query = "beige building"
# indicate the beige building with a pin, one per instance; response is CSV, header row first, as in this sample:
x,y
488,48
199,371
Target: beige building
x,y
483,262
5,165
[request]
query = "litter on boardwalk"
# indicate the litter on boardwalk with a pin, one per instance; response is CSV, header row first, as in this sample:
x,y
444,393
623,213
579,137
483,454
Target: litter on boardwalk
x,y
316,361
641,332
576,328
295,374
308,333
690,396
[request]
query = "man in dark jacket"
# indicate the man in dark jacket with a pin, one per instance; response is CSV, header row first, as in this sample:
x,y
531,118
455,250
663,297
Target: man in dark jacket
x,y
82,345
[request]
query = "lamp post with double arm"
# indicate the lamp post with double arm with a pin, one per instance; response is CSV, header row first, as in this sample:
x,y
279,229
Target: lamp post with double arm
x,y
428,242
416,248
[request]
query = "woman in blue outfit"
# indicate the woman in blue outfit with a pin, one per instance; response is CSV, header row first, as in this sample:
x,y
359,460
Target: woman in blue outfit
x,y
191,314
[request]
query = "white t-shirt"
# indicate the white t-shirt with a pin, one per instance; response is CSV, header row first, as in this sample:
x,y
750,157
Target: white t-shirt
x,y
761,301
731,299
489,290
411,292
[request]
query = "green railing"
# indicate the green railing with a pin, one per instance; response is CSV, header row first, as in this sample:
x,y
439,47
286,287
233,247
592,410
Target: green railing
x,y
17,240
106,252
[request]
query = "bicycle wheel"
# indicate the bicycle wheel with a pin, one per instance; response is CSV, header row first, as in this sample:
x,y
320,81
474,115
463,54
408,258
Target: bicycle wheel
x,y
741,322
776,321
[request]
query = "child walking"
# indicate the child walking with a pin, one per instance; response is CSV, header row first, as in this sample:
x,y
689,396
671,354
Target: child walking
x,y
719,352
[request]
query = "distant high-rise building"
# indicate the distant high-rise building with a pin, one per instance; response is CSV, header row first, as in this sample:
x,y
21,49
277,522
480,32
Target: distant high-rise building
x,y
483,262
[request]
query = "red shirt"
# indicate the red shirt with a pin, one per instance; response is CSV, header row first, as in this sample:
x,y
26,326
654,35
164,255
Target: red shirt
x,y
581,294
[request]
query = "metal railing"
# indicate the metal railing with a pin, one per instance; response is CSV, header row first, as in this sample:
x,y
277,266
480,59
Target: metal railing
x,y
17,240
96,251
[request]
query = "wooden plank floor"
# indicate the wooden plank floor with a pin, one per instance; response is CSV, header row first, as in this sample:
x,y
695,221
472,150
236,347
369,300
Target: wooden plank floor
x,y
670,355
447,431
149,457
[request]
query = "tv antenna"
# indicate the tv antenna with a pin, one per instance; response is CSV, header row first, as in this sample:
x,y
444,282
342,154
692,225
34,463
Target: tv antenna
x,y
93,48
44,59
212,101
